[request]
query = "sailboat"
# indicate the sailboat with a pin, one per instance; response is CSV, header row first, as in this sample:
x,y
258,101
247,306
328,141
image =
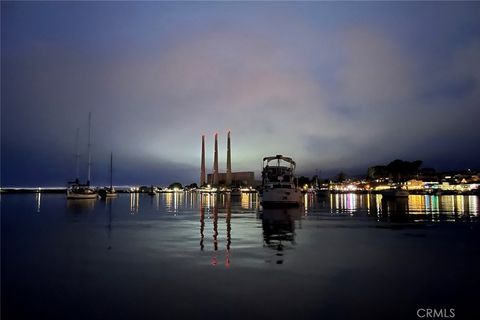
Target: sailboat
x,y
109,192
77,190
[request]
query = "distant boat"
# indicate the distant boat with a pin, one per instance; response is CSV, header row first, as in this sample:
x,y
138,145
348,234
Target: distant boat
x,y
395,193
81,191
109,192
153,191
278,187
236,192
76,190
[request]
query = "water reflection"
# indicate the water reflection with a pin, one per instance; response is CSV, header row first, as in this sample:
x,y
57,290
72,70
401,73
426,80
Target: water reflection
x,y
134,200
202,222
81,205
430,207
229,231
108,209
174,200
211,207
249,201
279,229
395,209
349,203
38,199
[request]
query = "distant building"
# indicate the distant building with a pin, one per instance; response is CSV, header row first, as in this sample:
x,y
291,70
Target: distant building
x,y
243,178
414,184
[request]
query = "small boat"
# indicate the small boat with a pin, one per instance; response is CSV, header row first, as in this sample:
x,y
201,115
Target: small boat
x,y
278,187
152,191
395,193
109,192
76,190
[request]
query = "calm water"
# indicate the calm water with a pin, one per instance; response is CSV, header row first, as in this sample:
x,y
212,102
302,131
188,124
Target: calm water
x,y
186,256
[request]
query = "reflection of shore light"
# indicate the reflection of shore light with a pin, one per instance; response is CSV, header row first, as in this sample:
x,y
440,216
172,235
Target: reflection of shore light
x,y
168,200
133,203
473,205
245,200
306,202
417,203
459,204
175,202
38,198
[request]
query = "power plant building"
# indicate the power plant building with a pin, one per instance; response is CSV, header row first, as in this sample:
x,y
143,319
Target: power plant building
x,y
229,178
243,178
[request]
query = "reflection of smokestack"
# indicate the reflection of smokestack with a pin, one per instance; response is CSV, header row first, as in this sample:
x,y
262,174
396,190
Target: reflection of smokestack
x,y
215,162
202,170
228,179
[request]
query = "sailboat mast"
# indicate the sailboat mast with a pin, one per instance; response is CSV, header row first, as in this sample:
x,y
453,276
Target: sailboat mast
x,y
89,145
77,157
111,170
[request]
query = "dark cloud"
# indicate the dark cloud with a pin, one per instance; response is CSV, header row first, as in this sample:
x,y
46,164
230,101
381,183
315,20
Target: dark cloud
x,y
311,80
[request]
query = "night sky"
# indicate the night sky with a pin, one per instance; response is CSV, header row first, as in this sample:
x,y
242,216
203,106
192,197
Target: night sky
x,y
336,86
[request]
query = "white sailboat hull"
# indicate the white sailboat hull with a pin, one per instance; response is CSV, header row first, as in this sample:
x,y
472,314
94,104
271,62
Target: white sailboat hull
x,y
112,195
81,195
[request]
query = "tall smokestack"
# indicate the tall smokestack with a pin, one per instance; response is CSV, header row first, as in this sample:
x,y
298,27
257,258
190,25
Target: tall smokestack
x,y
202,169
215,162
228,179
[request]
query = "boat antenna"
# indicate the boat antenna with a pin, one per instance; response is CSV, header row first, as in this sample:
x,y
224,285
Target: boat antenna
x,y
89,145
77,156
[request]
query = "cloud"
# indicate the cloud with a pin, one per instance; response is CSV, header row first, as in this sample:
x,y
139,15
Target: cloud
x,y
339,95
377,72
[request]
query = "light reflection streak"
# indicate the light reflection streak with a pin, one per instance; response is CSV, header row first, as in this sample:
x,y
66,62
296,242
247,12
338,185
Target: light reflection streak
x,y
245,200
134,200
460,204
473,205
431,206
38,198
169,201
175,202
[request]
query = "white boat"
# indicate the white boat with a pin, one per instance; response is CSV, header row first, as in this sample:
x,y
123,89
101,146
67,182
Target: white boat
x,y
107,193
79,191
76,190
278,187
395,193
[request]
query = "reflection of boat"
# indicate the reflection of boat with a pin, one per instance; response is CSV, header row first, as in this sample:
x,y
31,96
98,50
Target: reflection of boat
x,y
78,205
278,187
322,193
396,209
279,229
395,193
76,190
109,192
